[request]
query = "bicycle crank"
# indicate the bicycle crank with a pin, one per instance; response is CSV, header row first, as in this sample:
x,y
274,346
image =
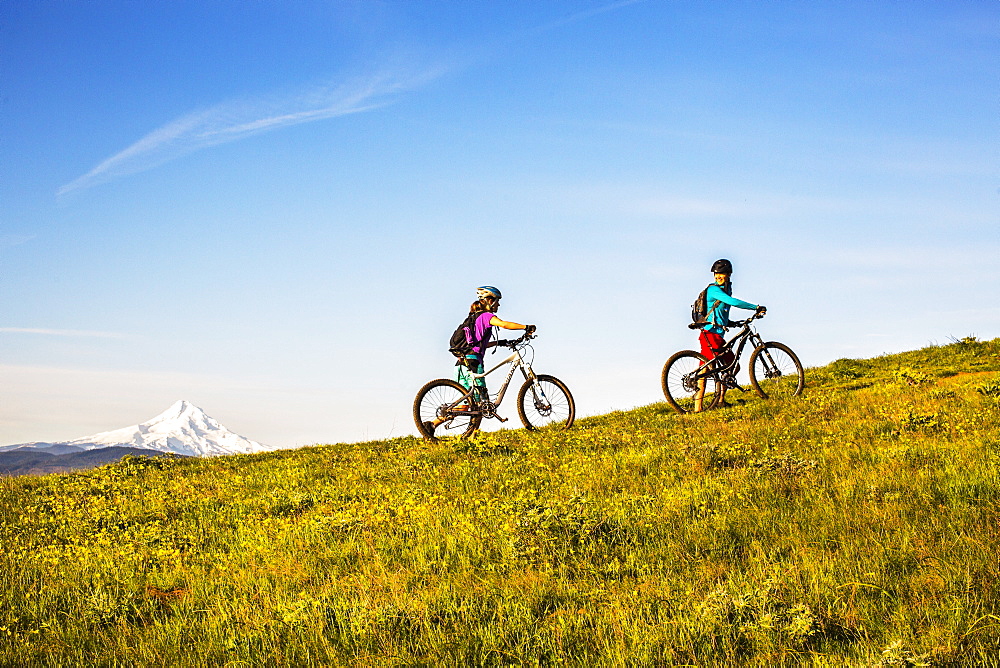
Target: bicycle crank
x,y
489,410
729,380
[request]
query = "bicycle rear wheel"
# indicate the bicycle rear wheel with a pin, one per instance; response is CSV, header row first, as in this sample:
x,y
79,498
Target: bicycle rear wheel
x,y
681,380
775,371
445,399
547,403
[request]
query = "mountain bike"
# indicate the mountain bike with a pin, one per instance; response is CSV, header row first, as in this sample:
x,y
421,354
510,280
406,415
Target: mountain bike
x,y
775,371
542,400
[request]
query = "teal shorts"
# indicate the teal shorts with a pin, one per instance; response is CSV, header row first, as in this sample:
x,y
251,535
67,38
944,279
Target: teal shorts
x,y
471,364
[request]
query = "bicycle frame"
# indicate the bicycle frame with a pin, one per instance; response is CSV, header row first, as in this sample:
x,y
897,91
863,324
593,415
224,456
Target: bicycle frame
x,y
728,371
488,407
516,360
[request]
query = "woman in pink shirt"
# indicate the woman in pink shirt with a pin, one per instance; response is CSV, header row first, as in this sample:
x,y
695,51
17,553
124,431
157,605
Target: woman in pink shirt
x,y
478,334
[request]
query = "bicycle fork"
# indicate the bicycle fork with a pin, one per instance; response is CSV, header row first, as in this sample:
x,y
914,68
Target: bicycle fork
x,y
542,404
771,369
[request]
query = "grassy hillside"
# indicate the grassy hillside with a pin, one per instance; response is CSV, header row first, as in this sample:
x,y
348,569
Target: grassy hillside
x,y
857,524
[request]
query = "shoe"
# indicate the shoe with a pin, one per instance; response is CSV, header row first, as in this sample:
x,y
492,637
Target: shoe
x,y
429,428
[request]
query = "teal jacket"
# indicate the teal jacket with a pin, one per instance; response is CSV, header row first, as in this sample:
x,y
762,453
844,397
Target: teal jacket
x,y
718,314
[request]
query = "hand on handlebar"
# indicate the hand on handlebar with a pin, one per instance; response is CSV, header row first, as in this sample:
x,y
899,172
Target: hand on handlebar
x,y
529,331
761,311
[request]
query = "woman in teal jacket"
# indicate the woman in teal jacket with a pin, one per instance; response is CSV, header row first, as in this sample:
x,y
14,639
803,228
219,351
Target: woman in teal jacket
x,y
718,300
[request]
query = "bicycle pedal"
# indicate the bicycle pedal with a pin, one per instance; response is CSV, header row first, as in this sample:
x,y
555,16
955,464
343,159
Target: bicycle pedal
x,y
502,419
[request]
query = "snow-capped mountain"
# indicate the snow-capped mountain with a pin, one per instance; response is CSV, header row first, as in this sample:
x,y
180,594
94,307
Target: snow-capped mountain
x,y
183,428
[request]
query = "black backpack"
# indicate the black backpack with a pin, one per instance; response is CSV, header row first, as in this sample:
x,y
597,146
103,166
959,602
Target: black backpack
x,y
699,310
463,338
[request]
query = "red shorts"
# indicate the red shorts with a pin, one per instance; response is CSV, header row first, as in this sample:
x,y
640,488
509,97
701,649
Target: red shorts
x,y
709,340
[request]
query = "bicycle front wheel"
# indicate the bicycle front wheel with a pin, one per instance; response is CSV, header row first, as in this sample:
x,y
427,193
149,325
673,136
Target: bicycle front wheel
x,y
448,403
683,378
545,402
775,371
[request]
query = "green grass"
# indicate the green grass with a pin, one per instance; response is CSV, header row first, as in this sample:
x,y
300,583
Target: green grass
x,y
857,525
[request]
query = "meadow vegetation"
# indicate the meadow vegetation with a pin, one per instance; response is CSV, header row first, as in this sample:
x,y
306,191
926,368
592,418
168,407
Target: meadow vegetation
x,y
854,525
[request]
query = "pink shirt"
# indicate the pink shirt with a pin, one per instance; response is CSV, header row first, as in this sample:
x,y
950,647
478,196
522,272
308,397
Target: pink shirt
x,y
482,332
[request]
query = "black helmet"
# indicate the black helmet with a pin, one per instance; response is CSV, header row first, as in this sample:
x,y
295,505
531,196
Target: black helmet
x,y
722,266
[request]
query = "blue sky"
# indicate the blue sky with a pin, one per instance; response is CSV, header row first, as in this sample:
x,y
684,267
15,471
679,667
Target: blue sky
x,y
280,211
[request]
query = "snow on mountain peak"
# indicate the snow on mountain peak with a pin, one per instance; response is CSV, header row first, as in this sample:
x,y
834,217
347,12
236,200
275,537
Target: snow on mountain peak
x,y
178,407
183,413
183,428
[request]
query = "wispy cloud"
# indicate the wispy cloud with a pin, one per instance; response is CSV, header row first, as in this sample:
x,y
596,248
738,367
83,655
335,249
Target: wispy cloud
x,y
234,120
587,13
60,332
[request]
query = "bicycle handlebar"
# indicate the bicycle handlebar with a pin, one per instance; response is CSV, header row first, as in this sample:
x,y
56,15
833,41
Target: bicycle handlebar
x,y
742,323
733,324
510,343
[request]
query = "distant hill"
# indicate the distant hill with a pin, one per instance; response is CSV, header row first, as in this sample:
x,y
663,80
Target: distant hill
x,y
50,448
59,459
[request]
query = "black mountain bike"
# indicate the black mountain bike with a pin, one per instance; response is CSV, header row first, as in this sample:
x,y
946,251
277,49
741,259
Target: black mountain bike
x,y
775,371
542,400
